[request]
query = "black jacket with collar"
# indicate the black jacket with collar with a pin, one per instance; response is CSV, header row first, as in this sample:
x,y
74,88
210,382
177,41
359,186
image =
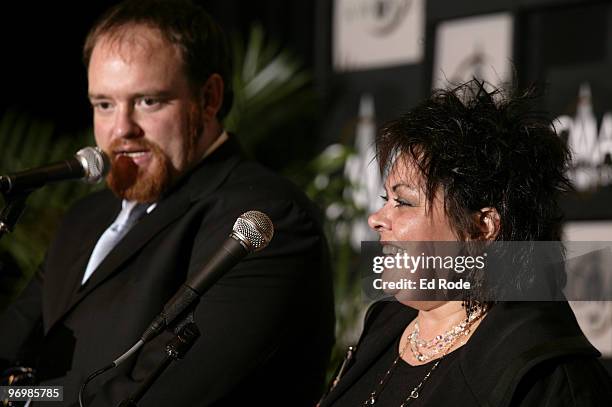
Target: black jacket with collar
x,y
522,354
267,325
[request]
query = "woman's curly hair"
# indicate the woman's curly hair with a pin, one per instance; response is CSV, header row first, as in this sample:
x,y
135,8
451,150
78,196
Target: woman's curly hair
x,y
484,149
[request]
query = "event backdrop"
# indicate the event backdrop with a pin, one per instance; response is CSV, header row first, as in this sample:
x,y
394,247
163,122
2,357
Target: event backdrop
x,y
391,53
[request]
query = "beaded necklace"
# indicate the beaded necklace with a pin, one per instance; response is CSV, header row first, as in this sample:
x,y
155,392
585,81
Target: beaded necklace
x,y
424,350
447,340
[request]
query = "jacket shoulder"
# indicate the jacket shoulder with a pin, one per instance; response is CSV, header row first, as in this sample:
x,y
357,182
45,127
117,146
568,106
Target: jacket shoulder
x,y
567,381
382,313
517,339
260,182
251,186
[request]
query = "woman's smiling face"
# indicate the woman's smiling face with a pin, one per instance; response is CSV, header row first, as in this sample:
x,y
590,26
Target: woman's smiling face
x,y
406,215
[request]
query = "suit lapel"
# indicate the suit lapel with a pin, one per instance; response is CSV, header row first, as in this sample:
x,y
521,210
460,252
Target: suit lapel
x,y
84,237
147,228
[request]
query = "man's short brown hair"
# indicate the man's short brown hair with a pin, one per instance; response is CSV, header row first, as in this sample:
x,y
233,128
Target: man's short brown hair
x,y
201,41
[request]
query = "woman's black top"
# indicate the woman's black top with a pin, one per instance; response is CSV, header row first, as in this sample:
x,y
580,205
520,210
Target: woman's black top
x,y
403,379
522,354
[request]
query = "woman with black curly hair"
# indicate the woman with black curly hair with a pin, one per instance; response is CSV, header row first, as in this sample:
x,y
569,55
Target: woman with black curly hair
x,y
471,165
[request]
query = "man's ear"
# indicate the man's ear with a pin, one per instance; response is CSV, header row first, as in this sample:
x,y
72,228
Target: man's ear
x,y
212,96
488,222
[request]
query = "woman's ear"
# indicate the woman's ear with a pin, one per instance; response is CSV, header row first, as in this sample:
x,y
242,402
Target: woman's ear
x,y
488,222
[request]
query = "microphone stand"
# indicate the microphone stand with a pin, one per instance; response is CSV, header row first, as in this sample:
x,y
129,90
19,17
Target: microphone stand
x,y
15,204
185,336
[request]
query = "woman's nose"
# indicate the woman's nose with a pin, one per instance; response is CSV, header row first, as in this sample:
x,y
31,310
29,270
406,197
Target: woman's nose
x,y
378,221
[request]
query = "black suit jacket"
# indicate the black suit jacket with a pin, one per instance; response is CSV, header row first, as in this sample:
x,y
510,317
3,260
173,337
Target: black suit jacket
x,y
522,354
267,325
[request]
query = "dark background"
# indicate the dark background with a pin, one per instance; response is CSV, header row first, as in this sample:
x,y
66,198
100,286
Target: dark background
x,y
42,72
40,42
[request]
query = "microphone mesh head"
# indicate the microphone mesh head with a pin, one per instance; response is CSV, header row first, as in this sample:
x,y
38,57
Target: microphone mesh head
x,y
254,229
94,162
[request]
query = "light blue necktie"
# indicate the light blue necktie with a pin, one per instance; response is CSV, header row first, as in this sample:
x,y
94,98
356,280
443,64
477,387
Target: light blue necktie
x,y
129,215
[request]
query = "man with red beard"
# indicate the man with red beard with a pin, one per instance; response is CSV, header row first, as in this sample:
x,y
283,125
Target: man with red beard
x,y
159,83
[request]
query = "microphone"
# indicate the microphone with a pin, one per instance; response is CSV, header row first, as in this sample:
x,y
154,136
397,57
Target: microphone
x,y
252,231
89,164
